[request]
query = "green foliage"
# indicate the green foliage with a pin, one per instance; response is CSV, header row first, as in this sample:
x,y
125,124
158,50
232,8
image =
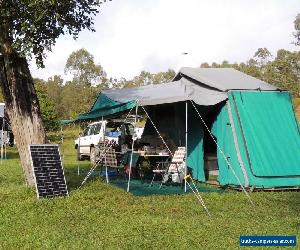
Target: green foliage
x,y
68,99
32,27
84,70
101,216
47,107
54,87
283,71
89,79
297,28
163,77
1,97
262,56
76,99
145,78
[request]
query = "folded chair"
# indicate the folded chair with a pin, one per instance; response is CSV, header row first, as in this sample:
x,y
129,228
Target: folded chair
x,y
172,171
108,159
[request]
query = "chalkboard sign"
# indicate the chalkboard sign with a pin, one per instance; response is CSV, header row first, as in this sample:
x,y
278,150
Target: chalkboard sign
x,y
48,171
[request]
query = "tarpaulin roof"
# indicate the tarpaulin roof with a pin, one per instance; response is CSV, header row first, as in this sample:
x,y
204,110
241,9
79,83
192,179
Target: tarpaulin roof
x,y
204,86
171,92
224,79
104,106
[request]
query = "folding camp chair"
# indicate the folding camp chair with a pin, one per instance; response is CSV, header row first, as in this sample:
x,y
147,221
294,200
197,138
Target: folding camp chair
x,y
173,171
107,158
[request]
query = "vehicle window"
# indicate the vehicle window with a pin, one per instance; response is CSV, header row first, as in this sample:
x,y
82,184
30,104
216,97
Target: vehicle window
x,y
91,132
97,128
86,131
113,126
129,129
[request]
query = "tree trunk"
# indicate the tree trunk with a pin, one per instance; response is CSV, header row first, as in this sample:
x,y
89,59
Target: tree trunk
x,y
22,107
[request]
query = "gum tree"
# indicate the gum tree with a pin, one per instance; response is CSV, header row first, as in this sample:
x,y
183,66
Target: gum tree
x,y
29,28
297,28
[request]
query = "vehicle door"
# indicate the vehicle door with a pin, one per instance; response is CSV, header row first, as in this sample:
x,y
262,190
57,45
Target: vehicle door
x,y
85,140
96,134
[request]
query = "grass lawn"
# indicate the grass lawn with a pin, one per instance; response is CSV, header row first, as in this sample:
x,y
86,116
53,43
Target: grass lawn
x,y
104,216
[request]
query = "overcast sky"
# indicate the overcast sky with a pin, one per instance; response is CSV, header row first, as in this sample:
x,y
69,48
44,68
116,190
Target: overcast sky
x,y
151,35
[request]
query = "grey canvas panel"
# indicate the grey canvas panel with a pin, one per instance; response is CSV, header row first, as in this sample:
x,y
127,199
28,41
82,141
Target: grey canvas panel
x,y
205,86
224,79
203,96
171,92
150,94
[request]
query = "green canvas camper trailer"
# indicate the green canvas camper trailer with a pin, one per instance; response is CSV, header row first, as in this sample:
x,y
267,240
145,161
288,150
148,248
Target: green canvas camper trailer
x,y
248,125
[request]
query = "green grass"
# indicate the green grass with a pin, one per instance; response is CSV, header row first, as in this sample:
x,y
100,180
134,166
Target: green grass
x,y
104,216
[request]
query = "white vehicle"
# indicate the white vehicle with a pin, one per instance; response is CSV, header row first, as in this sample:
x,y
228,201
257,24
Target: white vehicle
x,y
94,134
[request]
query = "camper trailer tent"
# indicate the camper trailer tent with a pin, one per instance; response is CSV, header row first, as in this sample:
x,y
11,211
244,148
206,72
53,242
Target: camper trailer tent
x,y
252,122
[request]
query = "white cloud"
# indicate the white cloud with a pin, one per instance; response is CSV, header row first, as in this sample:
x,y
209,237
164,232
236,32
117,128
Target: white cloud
x,y
152,34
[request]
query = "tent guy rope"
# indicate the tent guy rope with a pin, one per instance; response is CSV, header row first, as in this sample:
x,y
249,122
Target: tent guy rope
x,y
197,193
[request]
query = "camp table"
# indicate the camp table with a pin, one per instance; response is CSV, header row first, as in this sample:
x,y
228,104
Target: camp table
x,y
142,162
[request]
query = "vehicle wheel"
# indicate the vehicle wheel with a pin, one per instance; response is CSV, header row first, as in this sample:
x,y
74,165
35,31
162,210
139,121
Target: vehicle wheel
x,y
79,157
93,155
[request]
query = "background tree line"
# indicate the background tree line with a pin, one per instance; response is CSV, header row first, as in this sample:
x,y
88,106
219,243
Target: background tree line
x,y
282,71
66,100
28,29
61,99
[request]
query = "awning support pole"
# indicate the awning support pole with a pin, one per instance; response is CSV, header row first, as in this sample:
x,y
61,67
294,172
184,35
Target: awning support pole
x,y
62,141
78,150
132,147
105,162
186,143
2,138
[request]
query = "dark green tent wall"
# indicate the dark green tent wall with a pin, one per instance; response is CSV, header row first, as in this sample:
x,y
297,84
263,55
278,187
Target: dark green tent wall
x,y
268,139
170,120
195,151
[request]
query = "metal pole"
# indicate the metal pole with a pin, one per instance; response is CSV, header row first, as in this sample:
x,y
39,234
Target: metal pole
x,y
6,137
132,146
5,150
186,142
2,139
103,127
62,142
78,152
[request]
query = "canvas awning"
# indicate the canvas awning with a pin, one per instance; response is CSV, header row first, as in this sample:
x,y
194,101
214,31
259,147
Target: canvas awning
x,y
177,91
118,100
